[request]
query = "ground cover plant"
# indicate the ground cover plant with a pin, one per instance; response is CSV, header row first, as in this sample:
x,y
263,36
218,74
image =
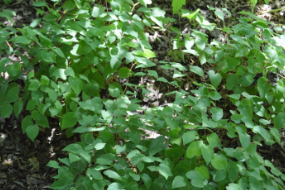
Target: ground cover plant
x,y
80,59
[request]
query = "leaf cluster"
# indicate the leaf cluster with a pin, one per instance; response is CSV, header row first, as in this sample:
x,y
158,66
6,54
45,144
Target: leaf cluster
x,y
77,51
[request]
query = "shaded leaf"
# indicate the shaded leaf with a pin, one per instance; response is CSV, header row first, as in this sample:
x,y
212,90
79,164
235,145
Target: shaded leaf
x,y
32,131
6,109
69,120
197,70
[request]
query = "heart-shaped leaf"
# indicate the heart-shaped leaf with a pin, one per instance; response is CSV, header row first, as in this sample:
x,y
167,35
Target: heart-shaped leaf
x,y
32,131
215,78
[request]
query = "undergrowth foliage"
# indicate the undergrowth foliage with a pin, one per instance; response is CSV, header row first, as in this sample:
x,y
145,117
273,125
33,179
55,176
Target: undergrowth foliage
x,y
71,56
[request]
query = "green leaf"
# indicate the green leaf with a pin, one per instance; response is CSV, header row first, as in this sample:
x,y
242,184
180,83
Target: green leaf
x,y
217,113
254,183
53,164
146,53
231,64
279,120
189,15
13,94
136,177
91,89
22,40
162,79
115,89
243,137
35,114
47,56
263,87
219,162
215,78
125,72
214,95
27,121
275,133
87,183
69,120
73,148
233,186
42,121
264,133
69,72
189,136
200,40
164,170
152,73
59,184
91,172
214,140
39,4
156,145
115,186
197,179
34,85
177,5
174,153
113,175
197,70
219,175
32,131
194,149
7,14
14,69
134,137
140,74
220,14
178,182
99,146
147,180
233,171
232,82
76,84
203,170
52,94
247,80
6,109
234,96
99,79
31,105
130,44
253,3
18,106
207,153
45,80
245,108
177,74
59,52
85,129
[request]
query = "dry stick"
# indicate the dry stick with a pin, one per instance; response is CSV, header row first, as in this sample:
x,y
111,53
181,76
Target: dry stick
x,y
135,6
17,3
8,44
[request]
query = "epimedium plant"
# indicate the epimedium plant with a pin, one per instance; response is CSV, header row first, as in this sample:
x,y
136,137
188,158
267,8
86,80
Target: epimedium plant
x,y
77,52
